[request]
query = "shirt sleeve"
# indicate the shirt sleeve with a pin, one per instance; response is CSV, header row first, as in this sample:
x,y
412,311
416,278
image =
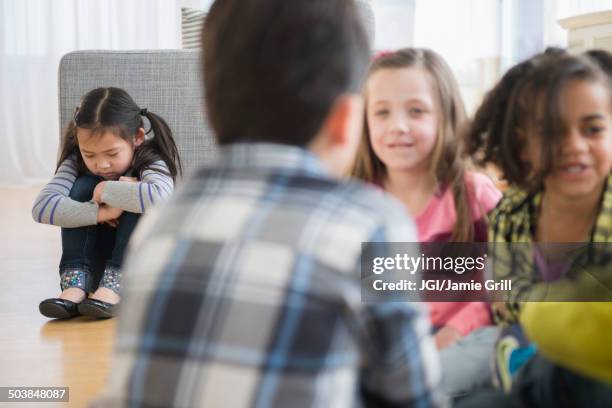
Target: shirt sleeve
x,y
484,190
53,204
508,261
154,187
402,363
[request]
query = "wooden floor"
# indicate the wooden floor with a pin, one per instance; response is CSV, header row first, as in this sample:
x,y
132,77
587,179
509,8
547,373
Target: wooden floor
x,y
35,351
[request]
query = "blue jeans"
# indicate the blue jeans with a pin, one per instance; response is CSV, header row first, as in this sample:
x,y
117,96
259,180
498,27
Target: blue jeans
x,y
93,247
466,364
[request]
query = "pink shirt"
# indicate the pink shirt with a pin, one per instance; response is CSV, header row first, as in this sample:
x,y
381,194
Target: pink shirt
x,y
435,224
436,221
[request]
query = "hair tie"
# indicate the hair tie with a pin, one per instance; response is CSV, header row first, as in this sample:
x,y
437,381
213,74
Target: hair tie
x,y
382,54
143,112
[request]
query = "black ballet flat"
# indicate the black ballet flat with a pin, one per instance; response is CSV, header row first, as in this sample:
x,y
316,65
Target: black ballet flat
x,y
98,309
57,308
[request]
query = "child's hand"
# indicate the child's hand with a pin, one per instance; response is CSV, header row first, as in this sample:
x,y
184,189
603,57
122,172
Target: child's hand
x,y
97,194
107,213
447,336
130,179
112,223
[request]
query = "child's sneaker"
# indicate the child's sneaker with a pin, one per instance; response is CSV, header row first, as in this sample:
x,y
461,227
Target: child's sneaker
x,y
512,351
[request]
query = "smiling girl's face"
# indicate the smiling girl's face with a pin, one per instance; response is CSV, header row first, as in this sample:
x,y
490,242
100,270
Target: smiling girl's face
x,y
401,117
107,155
584,158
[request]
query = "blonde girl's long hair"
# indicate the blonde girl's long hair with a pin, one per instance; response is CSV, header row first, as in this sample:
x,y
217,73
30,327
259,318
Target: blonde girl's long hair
x,y
448,162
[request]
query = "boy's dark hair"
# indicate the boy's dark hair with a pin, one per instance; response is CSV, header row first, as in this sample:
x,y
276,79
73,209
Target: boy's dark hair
x,y
273,69
113,110
528,97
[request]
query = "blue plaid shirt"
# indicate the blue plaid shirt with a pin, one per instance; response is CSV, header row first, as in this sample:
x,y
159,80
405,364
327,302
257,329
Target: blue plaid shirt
x,y
244,290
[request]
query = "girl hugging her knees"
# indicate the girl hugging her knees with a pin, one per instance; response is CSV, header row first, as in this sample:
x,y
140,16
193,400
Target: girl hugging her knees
x,y
411,147
109,173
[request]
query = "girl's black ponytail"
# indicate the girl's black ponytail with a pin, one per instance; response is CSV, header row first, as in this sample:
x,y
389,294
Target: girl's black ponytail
x,y
159,147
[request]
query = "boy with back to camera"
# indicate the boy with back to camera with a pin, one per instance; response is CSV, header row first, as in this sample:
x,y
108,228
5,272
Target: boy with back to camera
x,y
246,290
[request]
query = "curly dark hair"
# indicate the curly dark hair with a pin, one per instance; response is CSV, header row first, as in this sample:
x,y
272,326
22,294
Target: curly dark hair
x,y
528,96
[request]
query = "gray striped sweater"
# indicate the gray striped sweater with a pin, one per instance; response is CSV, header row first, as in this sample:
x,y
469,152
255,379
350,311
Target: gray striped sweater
x,y
54,206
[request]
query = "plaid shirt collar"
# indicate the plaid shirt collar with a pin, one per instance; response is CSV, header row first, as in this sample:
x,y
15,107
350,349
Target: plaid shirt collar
x,y
522,209
273,157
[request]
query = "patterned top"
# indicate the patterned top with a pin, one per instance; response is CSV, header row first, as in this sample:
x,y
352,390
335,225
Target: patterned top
x,y
514,221
53,204
245,291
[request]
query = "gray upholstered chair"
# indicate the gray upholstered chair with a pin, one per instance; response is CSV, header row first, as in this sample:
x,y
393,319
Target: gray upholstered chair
x,y
164,81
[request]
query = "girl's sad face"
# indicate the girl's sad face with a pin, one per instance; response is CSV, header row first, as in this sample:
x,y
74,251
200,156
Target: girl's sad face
x,y
106,154
583,160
